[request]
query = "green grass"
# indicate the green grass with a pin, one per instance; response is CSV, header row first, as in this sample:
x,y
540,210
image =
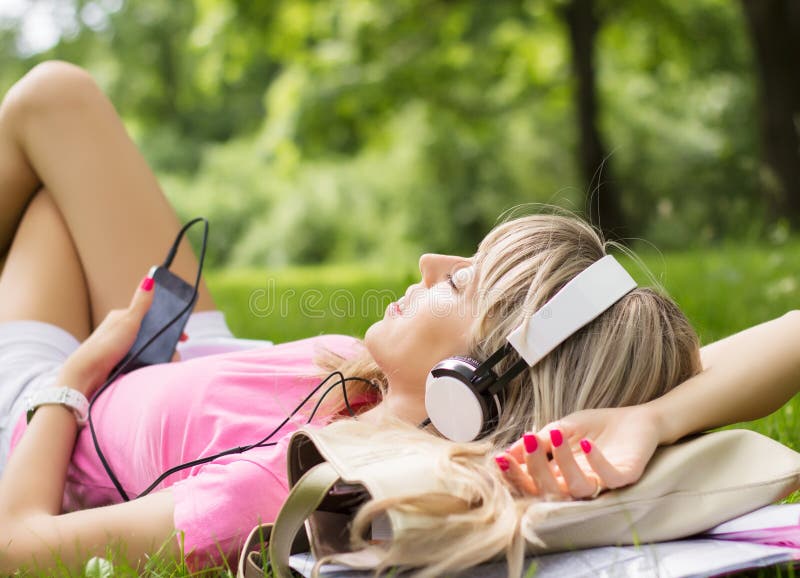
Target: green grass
x,y
302,302
721,290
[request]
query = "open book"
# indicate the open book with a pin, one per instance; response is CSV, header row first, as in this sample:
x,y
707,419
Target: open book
x,y
762,538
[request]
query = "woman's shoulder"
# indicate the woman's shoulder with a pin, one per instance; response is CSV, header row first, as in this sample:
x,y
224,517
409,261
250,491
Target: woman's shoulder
x,y
302,352
344,345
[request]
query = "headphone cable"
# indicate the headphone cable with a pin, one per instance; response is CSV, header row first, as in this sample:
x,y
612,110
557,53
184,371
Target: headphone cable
x,y
138,352
264,442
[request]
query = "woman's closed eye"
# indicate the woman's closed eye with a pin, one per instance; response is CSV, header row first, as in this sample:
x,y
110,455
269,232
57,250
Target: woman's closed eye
x,y
452,283
460,278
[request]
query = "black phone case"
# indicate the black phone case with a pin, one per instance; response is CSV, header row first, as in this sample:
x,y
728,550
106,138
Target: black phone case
x,y
172,294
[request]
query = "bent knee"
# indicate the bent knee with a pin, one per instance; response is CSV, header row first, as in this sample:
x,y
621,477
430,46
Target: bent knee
x,y
51,86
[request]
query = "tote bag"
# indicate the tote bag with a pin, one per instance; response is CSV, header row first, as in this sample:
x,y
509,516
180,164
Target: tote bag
x,y
686,489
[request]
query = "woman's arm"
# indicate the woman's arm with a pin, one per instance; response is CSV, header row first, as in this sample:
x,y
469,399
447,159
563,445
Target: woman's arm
x,y
745,376
31,489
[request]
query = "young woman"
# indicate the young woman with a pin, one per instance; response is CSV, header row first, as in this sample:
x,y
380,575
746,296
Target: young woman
x,y
81,217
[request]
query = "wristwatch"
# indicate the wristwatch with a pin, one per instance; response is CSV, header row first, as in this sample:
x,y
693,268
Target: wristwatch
x,y
66,396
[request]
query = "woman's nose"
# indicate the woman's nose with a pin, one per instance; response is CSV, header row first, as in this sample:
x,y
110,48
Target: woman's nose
x,y
431,266
424,268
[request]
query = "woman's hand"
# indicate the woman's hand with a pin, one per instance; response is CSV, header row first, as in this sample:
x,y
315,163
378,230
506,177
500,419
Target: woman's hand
x,y
92,362
592,450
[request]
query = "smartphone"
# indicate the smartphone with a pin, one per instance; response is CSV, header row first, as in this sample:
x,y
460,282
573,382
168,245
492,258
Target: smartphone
x,y
172,295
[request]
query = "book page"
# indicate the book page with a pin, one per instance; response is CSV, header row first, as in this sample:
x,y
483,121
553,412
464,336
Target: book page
x,y
678,559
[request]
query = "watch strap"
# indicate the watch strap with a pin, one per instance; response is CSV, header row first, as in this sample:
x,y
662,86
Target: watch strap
x,y
66,396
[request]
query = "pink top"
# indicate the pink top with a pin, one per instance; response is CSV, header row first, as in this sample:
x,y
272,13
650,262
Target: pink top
x,y
160,416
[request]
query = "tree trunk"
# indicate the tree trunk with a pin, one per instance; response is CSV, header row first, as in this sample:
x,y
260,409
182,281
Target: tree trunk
x,y
605,209
775,32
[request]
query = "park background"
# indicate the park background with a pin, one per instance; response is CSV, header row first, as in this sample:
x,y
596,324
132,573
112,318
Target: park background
x,y
330,143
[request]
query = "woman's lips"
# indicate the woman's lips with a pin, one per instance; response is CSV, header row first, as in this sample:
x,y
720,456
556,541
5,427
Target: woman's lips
x,y
396,308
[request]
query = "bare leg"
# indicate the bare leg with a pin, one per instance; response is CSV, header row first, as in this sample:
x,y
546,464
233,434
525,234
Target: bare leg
x,y
18,183
42,279
58,130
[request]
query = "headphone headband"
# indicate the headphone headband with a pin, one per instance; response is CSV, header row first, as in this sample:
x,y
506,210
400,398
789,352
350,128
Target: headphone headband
x,y
580,301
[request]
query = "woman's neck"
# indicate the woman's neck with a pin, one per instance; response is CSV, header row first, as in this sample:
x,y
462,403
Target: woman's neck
x,y
399,403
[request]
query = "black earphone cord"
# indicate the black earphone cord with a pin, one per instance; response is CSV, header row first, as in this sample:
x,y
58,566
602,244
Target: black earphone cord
x,y
235,450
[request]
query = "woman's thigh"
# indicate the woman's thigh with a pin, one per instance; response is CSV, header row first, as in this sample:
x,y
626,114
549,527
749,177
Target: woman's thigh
x,y
117,216
42,279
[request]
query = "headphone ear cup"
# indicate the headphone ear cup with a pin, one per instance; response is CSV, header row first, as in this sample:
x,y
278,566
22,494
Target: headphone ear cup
x,y
455,408
491,403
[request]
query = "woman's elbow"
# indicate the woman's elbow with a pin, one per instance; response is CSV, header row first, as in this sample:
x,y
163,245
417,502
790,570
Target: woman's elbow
x,y
24,546
10,554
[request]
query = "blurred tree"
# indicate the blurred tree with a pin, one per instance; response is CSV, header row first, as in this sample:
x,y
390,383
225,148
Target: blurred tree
x,y
472,67
603,200
775,29
676,87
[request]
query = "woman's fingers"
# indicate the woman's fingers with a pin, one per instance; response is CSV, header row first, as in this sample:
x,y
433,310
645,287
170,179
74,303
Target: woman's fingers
x,y
552,470
610,476
539,466
517,451
532,450
515,474
142,298
579,484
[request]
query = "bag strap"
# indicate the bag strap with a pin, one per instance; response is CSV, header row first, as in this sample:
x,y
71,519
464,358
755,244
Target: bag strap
x,y
250,560
305,497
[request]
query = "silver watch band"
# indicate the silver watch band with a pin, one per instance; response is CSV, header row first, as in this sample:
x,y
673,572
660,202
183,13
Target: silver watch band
x,y
66,396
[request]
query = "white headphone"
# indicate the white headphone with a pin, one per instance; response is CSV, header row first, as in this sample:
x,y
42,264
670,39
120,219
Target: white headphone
x,y
462,395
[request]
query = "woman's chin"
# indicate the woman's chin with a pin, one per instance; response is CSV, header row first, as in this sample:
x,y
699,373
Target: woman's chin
x,y
371,337
378,341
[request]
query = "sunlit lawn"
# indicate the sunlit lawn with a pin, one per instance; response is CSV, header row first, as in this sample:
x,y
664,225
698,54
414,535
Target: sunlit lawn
x,y
722,291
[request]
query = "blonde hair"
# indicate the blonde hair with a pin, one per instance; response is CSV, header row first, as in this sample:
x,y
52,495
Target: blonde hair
x,y
637,350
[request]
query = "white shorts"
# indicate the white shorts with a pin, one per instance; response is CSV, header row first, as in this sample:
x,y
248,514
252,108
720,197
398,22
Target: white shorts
x,y
32,353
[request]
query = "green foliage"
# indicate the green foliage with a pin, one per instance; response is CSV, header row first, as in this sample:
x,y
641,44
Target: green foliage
x,y
361,129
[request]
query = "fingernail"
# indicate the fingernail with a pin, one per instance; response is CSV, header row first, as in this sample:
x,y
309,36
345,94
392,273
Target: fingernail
x,y
183,337
556,438
531,443
147,284
586,446
502,463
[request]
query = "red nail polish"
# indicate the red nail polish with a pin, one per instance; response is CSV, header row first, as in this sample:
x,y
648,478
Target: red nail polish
x,y
556,438
147,284
502,463
183,337
586,446
531,443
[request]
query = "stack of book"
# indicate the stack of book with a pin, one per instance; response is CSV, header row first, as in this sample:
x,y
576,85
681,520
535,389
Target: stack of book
x,y
767,537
